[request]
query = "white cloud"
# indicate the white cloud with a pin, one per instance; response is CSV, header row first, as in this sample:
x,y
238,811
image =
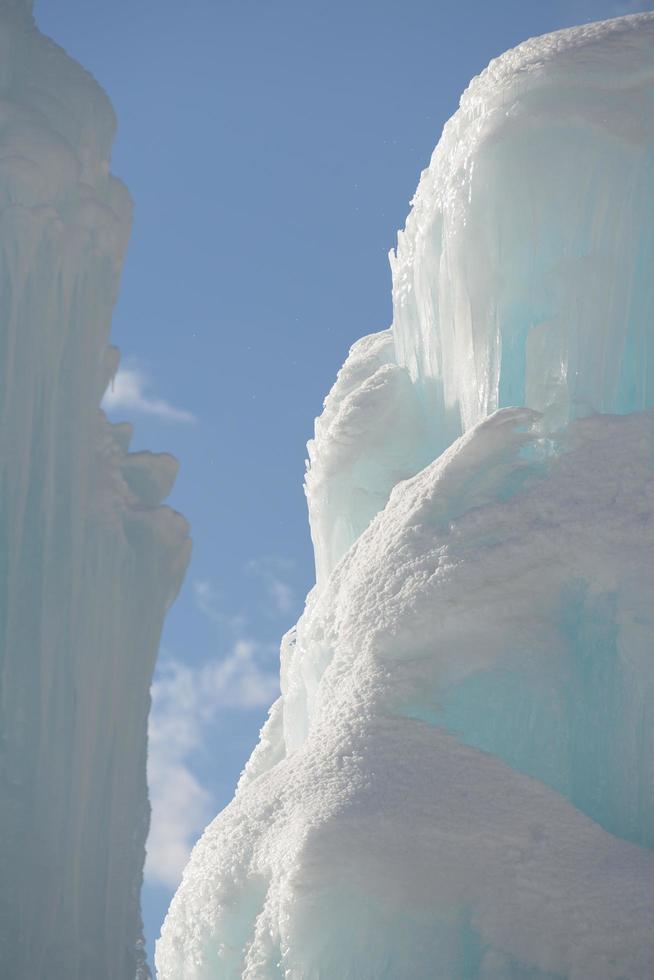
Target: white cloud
x,y
130,389
185,701
276,596
273,574
208,601
282,594
181,809
242,680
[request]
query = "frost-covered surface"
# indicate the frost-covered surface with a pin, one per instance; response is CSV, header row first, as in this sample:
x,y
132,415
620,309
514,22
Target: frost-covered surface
x,y
497,604
89,561
457,781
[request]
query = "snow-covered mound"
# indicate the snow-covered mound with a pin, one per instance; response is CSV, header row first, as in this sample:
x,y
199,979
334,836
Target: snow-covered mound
x,y
457,781
497,604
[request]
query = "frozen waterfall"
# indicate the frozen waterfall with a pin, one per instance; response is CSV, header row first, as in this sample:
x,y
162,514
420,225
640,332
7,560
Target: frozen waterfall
x,y
89,561
457,780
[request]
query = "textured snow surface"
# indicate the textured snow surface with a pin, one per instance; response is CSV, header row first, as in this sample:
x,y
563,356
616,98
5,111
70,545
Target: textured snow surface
x,y
457,782
498,604
89,561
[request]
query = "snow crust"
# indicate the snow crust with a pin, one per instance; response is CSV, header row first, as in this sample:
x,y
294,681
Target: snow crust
x,y
89,560
457,780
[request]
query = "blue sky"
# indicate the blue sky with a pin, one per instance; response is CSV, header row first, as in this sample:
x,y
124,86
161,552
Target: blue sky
x,y
272,148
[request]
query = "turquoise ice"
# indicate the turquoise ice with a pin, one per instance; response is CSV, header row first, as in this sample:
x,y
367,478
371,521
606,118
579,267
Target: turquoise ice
x,y
457,781
89,561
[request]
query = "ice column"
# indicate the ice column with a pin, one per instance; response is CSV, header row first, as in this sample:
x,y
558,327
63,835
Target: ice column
x,y
89,560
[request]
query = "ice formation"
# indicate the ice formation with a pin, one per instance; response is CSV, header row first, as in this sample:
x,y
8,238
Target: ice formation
x,y
88,560
457,782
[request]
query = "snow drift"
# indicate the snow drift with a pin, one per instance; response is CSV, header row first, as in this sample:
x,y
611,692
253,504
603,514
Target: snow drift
x,y
457,781
89,561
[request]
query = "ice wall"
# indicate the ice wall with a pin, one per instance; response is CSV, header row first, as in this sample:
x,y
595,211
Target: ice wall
x,y
457,781
89,561
523,276
371,435
453,781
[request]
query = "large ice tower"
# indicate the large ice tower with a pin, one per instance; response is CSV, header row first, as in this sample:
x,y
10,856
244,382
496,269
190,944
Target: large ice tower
x,y
457,782
89,561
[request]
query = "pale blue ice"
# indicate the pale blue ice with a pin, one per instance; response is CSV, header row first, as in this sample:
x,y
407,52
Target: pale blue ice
x,y
457,782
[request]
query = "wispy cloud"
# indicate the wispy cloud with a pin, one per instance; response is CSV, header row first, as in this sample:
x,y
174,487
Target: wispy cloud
x,y
131,389
185,704
181,809
209,601
273,573
188,700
